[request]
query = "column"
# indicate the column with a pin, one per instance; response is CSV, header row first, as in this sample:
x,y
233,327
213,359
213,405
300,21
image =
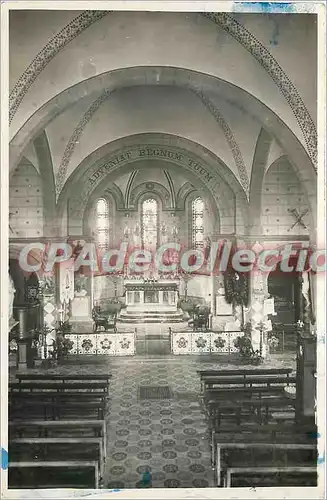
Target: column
x,y
48,291
213,295
22,339
257,316
142,297
161,297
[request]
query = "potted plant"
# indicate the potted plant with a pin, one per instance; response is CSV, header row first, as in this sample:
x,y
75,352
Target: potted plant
x,y
244,345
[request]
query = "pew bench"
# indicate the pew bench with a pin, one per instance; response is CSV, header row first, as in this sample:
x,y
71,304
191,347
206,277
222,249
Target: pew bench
x,y
59,396
244,374
261,448
272,433
56,410
239,382
279,476
247,372
63,378
47,428
53,474
259,409
92,387
55,447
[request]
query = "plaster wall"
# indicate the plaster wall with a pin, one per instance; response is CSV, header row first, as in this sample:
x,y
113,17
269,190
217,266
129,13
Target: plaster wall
x,y
26,202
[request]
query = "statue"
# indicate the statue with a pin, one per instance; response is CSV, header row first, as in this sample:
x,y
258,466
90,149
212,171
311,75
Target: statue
x,y
12,292
126,231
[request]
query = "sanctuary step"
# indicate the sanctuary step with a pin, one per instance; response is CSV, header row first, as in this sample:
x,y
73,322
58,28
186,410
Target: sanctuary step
x,y
150,316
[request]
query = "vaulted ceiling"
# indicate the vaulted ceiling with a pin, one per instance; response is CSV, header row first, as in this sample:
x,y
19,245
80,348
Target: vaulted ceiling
x,y
82,80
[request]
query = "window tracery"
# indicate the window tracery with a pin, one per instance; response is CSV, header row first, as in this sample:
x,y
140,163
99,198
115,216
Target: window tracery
x,y
102,223
149,223
198,223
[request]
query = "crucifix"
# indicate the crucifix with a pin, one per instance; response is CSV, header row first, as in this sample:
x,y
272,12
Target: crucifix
x,y
298,217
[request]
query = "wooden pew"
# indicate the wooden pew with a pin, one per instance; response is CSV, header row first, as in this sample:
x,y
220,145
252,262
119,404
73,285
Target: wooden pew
x,y
246,372
243,373
54,467
63,378
261,446
213,382
251,432
52,448
56,410
91,387
231,472
259,408
44,428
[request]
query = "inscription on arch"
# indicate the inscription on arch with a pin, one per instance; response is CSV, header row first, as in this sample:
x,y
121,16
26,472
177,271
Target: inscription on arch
x,y
142,152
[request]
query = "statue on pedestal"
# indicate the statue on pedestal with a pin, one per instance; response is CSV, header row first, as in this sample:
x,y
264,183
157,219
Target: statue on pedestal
x,y
12,291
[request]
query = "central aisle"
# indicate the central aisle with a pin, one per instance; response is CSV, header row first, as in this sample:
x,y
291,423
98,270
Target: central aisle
x,y
168,436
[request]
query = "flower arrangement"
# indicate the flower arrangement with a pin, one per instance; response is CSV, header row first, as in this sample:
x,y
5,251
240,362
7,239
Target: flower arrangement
x,y
244,345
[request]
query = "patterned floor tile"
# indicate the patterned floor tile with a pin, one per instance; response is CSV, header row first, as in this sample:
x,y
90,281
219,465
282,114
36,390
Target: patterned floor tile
x,y
168,437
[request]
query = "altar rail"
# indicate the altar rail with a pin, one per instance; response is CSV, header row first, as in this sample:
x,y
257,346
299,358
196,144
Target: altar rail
x,y
204,342
101,343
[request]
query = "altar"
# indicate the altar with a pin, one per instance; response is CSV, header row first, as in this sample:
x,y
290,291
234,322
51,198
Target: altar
x,y
151,300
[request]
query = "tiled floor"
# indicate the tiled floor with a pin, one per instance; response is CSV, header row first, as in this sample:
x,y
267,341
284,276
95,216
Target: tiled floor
x,y
168,437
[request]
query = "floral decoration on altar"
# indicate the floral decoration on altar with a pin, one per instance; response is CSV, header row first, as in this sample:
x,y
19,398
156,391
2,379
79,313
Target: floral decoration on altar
x,y
87,344
106,344
219,343
182,343
125,343
201,342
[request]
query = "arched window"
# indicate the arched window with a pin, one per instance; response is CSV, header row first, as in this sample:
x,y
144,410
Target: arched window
x,y
197,223
102,223
149,223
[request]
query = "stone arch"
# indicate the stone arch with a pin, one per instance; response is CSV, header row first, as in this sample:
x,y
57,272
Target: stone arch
x,y
153,188
177,152
43,153
224,20
257,175
168,76
182,194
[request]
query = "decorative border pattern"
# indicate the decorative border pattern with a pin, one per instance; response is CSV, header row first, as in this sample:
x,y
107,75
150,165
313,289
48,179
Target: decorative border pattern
x,y
107,344
73,140
236,152
204,342
58,42
225,21
278,75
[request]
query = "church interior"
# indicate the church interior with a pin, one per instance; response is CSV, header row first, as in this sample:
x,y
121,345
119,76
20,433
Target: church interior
x,y
148,130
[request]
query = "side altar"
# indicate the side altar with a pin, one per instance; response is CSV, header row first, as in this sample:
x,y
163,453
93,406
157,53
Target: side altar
x,y
151,301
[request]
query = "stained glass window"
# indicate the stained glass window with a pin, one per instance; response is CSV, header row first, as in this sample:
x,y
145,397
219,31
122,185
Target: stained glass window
x,y
198,223
149,223
102,223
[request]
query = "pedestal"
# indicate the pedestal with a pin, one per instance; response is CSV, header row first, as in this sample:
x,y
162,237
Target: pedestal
x,y
81,309
22,354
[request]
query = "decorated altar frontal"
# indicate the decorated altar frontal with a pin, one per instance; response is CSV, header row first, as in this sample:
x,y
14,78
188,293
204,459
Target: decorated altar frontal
x,y
204,342
101,343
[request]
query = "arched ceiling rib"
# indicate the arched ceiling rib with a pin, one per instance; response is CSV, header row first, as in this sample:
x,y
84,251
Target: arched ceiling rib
x,y
221,121
225,21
